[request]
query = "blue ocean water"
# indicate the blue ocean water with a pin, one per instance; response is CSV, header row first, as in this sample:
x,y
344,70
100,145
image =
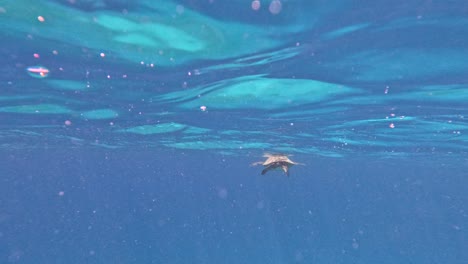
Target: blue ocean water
x,y
128,130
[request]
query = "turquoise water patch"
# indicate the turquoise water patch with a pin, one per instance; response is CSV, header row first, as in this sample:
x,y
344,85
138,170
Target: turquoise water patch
x,y
345,30
379,65
100,114
160,35
258,93
105,146
231,132
366,122
137,39
397,132
438,93
270,57
16,98
216,144
67,85
291,149
255,60
451,23
185,95
21,132
36,109
309,114
226,145
155,129
241,133
165,128
442,126
115,22
308,150
174,38
165,113
330,154
356,101
196,130
156,35
266,93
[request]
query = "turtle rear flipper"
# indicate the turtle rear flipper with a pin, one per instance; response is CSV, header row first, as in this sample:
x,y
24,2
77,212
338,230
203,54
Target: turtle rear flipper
x,y
266,169
285,169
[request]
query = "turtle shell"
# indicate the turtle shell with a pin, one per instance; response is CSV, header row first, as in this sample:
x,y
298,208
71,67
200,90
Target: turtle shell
x,y
277,158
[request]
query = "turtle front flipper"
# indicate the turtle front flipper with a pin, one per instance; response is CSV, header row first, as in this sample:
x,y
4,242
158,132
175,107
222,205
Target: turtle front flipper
x,y
256,163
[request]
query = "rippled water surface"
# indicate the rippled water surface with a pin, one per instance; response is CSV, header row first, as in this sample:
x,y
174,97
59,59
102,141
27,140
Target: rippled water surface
x,y
127,129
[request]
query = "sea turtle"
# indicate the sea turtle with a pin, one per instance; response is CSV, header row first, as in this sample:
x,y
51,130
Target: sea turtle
x,y
276,161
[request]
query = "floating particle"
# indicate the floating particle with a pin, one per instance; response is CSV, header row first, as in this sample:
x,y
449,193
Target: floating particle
x,y
68,122
256,5
299,257
355,244
203,108
61,193
260,204
54,52
222,193
102,54
36,55
275,7
391,125
40,18
38,71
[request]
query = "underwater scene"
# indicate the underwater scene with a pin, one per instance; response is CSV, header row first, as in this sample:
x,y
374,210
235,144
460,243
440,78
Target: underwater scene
x,y
234,131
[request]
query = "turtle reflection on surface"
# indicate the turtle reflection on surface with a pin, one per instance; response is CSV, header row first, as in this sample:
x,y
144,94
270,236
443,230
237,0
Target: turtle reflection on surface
x,y
276,162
